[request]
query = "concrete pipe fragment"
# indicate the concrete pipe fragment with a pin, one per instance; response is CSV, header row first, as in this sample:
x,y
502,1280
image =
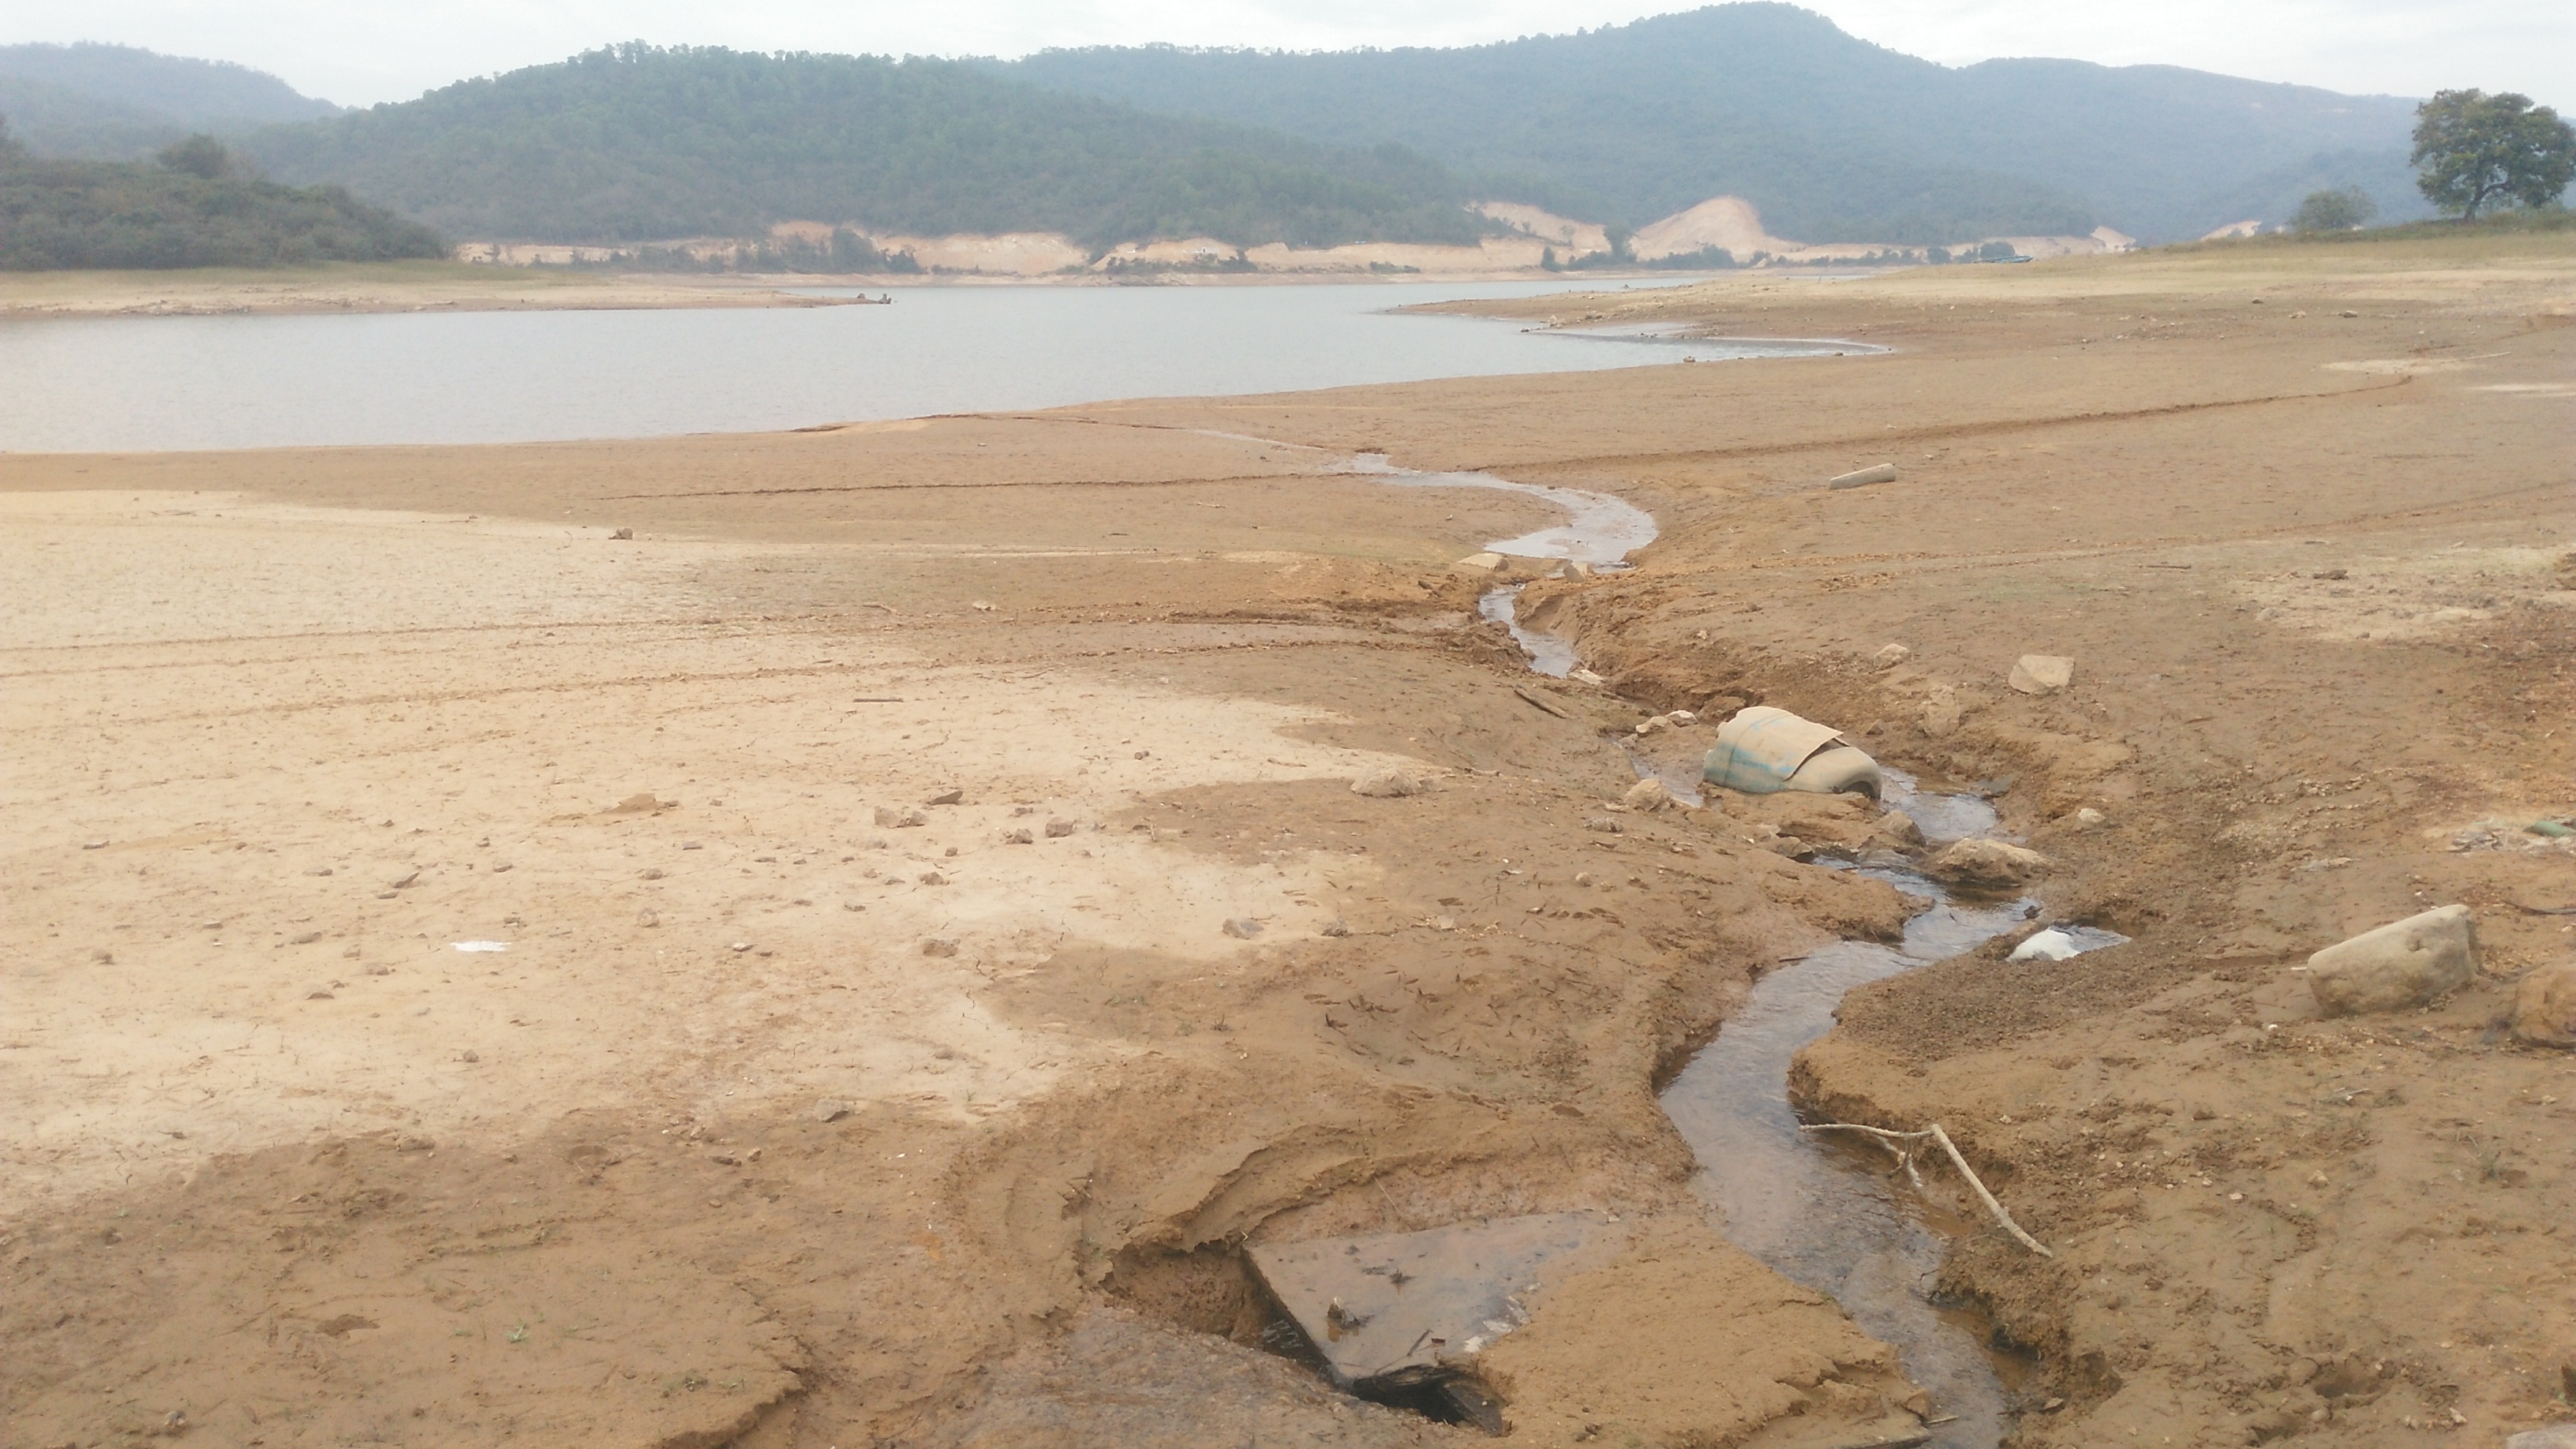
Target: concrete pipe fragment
x,y
1883,473
1762,750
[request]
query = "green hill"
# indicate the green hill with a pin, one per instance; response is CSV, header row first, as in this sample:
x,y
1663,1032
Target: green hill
x,y
1832,137
118,103
636,143
187,210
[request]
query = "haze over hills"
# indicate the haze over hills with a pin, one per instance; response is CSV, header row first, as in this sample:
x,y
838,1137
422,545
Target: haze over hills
x,y
117,102
1829,135
1833,139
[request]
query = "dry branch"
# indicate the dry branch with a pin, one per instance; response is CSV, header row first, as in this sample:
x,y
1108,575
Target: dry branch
x,y
1888,1139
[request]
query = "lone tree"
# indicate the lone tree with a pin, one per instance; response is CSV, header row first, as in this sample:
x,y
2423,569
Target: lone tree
x,y
2342,209
2472,148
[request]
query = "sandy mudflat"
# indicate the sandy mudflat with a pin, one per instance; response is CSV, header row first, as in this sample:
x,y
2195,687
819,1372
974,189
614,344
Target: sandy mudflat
x,y
776,1124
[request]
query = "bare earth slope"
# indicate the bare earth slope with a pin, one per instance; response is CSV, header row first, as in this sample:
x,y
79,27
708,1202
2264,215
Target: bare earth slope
x,y
785,1122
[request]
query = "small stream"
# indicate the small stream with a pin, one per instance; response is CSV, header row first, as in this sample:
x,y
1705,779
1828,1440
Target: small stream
x,y
1830,1215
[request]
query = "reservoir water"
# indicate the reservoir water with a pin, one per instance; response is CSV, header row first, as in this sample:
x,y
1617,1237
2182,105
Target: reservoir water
x,y
165,383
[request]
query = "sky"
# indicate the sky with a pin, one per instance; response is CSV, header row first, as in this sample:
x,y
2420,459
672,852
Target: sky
x,y
358,52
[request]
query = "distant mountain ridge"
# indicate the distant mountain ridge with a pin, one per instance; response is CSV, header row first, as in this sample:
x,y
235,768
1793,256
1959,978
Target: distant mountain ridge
x,y
1829,135
116,102
640,143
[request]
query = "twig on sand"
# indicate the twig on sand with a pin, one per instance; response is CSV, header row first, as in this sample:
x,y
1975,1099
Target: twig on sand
x,y
1889,1139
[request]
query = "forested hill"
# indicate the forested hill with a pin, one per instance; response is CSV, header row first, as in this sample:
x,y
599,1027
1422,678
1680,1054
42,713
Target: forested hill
x,y
1832,137
636,143
115,102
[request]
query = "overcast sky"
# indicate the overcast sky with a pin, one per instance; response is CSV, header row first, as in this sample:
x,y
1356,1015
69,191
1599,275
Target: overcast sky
x,y
358,52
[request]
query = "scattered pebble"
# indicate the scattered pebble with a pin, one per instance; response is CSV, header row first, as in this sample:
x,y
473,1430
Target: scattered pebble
x,y
939,946
1386,782
93,845
1021,836
933,878
1059,829
318,993
305,939
1144,754
403,881
690,845
947,797
647,918
1337,927
469,1056
831,1109
1242,928
500,866
741,946
317,870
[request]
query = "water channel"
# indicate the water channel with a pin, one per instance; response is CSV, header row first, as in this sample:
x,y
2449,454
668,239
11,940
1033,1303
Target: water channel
x,y
1829,1215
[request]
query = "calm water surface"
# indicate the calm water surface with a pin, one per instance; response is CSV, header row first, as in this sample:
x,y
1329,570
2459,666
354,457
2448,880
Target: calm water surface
x,y
159,383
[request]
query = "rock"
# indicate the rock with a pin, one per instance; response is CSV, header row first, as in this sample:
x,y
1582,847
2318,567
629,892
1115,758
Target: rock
x,y
1059,829
1021,836
1386,782
1605,825
1681,719
933,878
650,872
1337,927
93,845
740,946
2090,818
1480,562
403,881
1941,713
643,804
1653,726
1883,473
1891,655
500,867
2048,945
1242,928
2042,673
2544,1007
1648,795
939,946
647,919
1994,865
317,870
1898,826
318,993
305,938
2402,964
894,819
1583,676
2556,1436
1144,754
947,797
623,534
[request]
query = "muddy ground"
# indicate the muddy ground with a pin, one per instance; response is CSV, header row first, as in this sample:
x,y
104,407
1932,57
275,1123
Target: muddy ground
x,y
784,1122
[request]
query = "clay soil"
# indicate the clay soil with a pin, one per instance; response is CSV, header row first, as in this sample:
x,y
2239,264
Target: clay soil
x,y
783,1121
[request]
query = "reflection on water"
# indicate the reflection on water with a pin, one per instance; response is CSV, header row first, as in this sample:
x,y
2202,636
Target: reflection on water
x,y
160,383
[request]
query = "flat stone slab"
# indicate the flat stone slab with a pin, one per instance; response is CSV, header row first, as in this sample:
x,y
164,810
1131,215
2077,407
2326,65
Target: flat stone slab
x,y
1394,1310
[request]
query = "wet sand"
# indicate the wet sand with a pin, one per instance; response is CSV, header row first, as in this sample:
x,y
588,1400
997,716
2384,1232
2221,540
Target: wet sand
x,y
780,1125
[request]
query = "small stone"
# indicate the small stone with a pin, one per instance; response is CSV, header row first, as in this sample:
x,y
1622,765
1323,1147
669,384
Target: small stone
x,y
853,906
1242,928
1655,725
1681,719
740,946
1605,825
2042,673
1059,829
1337,927
652,872
643,804
1583,877
1386,782
691,845
1941,713
2347,313
1022,836
647,918
1891,655
317,870
93,845
1144,754
403,882
2090,818
1444,923
939,946
1992,865
1898,826
102,957
1480,562
2544,1007
469,1056
947,797
1648,796
500,866
933,878
1583,676
2402,964
831,1109
306,938
318,993
982,607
